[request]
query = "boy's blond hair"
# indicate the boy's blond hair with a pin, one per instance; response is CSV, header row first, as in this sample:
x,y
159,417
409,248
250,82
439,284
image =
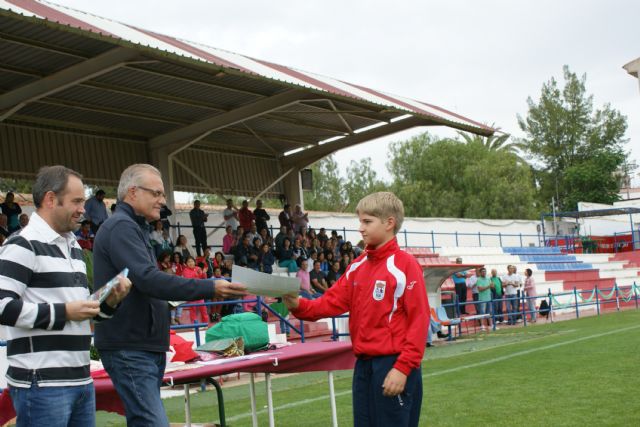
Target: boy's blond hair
x,y
383,205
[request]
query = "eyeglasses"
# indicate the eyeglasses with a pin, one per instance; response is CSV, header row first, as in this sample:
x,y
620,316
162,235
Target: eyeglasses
x,y
155,193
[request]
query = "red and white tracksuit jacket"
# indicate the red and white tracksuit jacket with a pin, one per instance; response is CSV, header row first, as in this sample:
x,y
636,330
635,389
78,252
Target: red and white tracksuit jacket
x,y
384,291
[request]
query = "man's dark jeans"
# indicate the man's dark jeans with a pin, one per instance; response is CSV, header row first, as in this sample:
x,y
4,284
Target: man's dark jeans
x,y
137,377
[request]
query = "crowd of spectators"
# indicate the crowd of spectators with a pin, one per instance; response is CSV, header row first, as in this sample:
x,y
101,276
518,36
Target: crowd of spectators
x,y
297,247
318,259
496,295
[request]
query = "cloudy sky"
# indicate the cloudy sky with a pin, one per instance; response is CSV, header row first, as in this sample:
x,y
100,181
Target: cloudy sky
x,y
481,59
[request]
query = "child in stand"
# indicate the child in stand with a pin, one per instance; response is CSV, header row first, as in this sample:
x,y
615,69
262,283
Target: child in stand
x,y
384,292
192,271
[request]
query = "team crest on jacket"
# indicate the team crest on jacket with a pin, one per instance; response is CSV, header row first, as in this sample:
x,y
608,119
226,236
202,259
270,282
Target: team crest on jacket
x,y
378,290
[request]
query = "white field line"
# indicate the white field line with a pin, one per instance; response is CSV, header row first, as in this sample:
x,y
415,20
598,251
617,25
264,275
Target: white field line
x,y
447,371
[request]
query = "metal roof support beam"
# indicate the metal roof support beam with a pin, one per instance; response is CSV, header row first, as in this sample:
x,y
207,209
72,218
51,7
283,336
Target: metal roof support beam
x,y
197,177
270,186
197,131
14,100
308,156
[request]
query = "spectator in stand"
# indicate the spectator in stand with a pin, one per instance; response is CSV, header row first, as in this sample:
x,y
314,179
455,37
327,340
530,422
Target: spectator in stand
x,y
229,240
299,218
227,266
23,221
164,263
311,233
305,282
12,210
344,263
242,252
279,239
313,257
318,281
230,215
156,237
471,284
267,259
299,252
496,295
530,294
301,234
261,217
286,257
322,236
359,248
324,265
253,233
218,259
85,236
95,210
198,218
511,283
192,271
334,274
167,244
177,264
4,226
214,310
316,246
205,262
460,283
165,213
483,284
253,260
285,217
330,258
265,237
182,247
240,232
245,216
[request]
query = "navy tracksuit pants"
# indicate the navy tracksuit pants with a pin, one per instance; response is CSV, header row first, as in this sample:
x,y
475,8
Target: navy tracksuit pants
x,y
371,408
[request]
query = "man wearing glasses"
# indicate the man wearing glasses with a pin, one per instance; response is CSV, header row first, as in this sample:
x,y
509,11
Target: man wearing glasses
x,y
134,345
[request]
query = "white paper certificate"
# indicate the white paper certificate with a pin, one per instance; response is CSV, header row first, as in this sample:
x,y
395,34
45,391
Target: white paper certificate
x,y
263,284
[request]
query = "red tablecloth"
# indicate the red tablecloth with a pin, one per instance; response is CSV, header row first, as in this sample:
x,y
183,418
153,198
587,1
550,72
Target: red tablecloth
x,y
307,357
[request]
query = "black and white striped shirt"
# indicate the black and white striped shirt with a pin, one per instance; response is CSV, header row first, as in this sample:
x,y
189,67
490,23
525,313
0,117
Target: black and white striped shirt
x,y
40,271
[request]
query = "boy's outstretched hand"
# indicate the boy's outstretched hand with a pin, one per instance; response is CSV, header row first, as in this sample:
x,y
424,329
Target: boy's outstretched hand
x,y
291,301
394,383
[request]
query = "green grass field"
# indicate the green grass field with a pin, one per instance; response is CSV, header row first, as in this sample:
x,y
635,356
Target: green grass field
x,y
577,372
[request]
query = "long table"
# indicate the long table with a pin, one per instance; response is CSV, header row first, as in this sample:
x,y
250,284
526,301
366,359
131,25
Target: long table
x,y
307,357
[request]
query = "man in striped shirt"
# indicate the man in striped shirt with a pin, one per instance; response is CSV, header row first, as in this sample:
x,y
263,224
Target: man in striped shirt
x,y
45,307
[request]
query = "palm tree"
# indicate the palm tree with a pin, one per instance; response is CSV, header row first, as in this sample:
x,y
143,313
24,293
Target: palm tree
x,y
496,142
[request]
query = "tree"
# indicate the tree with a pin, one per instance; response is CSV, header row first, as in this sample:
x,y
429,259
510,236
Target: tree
x,y
449,178
361,180
327,193
575,150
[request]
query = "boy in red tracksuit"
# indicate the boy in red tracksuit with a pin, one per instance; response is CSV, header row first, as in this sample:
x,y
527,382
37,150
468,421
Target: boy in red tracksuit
x,y
383,290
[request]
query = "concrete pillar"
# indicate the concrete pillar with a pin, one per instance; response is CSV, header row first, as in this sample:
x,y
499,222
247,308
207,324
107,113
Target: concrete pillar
x,y
293,188
162,159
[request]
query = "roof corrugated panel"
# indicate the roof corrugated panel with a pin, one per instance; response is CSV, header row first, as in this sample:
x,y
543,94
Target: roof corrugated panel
x,y
121,32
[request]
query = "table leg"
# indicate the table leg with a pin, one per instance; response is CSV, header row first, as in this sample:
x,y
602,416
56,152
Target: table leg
x,y
187,405
212,381
252,392
332,399
267,378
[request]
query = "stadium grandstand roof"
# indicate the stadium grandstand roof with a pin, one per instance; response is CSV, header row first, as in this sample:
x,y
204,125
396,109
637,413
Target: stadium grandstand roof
x,y
98,95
